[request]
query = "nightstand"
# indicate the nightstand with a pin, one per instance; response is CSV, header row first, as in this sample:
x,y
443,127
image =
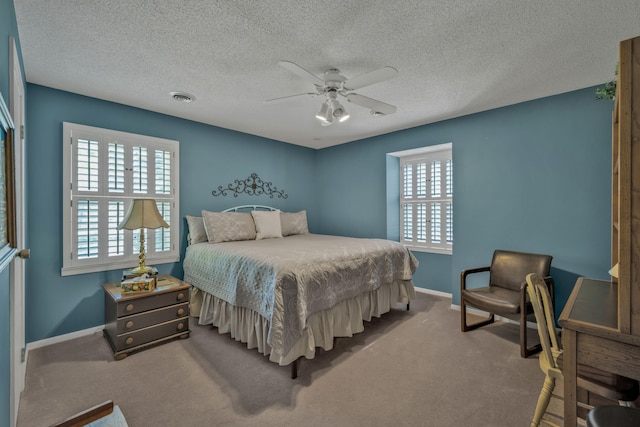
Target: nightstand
x,y
135,321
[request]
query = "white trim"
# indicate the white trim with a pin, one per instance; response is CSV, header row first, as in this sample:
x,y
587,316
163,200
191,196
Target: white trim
x,y
476,312
17,269
471,310
422,150
69,271
62,338
432,292
426,249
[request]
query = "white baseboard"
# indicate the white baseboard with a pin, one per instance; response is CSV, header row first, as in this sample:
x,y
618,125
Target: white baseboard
x,y
432,292
476,312
65,337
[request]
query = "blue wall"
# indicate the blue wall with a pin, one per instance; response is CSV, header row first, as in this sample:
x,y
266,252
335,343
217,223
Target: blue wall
x,y
8,28
209,157
531,177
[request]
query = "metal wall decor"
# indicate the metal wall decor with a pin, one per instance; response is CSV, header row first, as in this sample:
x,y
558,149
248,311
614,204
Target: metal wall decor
x,y
253,186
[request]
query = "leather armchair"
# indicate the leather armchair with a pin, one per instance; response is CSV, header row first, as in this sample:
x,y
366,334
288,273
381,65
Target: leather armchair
x,y
506,293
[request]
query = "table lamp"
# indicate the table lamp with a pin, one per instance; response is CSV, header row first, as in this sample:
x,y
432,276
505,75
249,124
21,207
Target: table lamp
x,y
142,213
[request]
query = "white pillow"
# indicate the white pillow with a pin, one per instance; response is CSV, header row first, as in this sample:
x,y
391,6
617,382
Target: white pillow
x,y
228,226
294,223
195,231
267,224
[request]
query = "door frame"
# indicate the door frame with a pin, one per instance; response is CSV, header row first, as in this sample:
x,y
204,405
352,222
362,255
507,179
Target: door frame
x,y
17,267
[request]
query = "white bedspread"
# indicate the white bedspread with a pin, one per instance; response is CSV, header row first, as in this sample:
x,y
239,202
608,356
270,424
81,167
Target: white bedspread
x,y
288,279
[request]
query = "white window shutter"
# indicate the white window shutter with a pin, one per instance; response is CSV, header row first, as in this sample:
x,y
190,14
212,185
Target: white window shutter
x,y
104,171
426,205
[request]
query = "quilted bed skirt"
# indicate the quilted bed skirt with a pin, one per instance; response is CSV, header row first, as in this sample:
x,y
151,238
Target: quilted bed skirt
x,y
343,320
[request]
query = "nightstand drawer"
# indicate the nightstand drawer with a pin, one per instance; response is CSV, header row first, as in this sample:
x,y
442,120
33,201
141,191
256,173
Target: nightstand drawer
x,y
143,319
151,302
152,333
151,317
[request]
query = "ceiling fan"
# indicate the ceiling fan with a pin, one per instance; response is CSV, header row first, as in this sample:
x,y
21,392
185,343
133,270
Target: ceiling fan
x,y
333,84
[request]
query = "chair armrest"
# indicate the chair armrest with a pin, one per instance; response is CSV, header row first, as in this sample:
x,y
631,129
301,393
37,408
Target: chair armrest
x,y
465,273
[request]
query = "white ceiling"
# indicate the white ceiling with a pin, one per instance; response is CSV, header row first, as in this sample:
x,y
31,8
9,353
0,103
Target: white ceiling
x,y
453,57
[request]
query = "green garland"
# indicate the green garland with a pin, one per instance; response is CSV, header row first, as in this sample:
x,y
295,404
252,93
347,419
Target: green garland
x,y
608,91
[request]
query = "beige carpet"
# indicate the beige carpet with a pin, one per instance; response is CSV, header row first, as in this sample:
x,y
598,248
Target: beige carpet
x,y
407,369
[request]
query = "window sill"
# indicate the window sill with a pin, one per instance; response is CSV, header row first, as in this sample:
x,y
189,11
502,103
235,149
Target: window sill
x,y
70,271
429,250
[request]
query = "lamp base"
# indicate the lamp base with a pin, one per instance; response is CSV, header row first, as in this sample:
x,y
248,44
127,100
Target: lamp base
x,y
142,270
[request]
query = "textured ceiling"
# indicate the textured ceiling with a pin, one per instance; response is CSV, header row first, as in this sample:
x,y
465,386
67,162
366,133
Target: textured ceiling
x,y
453,57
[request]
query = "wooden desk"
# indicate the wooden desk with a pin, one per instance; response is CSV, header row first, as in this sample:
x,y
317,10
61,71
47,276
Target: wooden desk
x,y
591,336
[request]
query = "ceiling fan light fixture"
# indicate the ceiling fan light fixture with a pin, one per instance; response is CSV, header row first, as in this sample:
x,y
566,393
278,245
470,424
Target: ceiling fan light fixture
x,y
338,111
325,123
334,84
325,114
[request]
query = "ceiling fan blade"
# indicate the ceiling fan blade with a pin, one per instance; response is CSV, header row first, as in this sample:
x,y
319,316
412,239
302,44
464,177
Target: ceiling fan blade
x,y
284,98
370,78
301,72
373,104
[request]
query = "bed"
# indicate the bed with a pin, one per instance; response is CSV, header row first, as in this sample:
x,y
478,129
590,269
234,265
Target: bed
x,y
264,279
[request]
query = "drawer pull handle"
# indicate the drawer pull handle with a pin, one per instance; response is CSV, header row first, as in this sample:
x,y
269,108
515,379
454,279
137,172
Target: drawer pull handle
x,y
180,326
180,311
129,341
129,324
180,296
129,307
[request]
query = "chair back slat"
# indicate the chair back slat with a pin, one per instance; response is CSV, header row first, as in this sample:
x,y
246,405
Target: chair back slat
x,y
545,319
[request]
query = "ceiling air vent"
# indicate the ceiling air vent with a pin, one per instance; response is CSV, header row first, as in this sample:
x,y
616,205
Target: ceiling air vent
x,y
182,96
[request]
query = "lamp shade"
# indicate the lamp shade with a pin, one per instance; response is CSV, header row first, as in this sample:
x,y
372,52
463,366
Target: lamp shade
x,y
143,213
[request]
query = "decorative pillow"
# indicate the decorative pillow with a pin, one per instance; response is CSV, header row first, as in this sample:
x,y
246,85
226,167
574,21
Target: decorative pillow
x,y
294,223
228,226
195,230
267,224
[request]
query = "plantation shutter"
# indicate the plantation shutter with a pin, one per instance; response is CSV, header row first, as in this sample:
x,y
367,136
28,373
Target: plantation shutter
x,y
427,201
106,171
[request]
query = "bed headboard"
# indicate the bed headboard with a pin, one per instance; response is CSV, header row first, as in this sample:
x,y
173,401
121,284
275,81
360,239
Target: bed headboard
x,y
250,208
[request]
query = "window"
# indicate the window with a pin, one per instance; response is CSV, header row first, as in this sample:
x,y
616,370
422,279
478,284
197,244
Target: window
x,y
426,198
104,171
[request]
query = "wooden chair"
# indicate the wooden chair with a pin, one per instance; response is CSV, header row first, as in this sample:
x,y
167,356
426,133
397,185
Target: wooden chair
x,y
102,415
505,294
609,386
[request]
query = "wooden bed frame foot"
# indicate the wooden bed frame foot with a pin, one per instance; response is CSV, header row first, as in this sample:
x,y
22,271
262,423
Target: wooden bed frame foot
x,y
408,306
294,369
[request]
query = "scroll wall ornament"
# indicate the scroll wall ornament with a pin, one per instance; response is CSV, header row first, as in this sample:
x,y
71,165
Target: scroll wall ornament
x,y
253,186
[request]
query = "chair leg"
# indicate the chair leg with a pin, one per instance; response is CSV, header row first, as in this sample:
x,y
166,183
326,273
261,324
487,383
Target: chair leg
x,y
543,400
463,320
524,350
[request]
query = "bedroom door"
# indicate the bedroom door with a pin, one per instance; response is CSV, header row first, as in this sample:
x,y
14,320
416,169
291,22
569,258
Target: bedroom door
x,y
17,294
